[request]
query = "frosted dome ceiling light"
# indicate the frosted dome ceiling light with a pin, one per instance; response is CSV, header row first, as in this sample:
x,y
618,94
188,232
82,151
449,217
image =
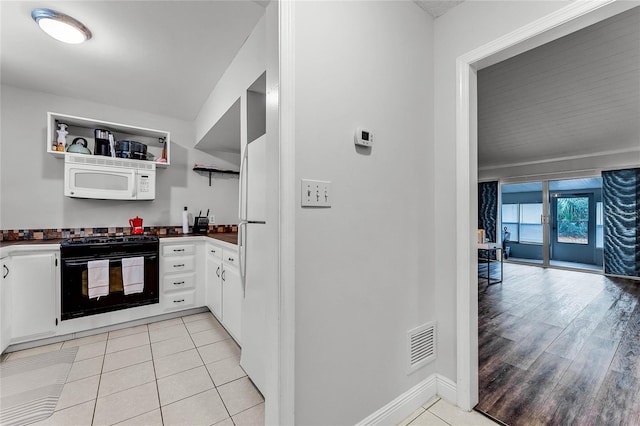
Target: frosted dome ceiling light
x,y
60,26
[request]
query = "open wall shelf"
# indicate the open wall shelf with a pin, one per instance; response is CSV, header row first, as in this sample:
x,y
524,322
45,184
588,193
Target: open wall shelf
x,y
211,170
84,127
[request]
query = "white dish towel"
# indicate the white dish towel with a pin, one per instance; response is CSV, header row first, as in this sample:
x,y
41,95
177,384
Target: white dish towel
x,y
133,275
98,278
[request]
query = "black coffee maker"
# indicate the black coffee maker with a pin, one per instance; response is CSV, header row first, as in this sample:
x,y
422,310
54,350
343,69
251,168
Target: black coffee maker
x,y
103,144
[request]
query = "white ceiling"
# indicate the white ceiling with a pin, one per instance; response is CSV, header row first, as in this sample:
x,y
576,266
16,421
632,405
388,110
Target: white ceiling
x,y
437,8
162,57
578,95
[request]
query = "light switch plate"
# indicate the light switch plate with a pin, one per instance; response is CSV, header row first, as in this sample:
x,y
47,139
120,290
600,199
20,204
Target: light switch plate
x,y
315,193
212,219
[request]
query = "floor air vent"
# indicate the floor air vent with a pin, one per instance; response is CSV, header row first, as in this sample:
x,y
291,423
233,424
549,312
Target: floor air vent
x,y
421,343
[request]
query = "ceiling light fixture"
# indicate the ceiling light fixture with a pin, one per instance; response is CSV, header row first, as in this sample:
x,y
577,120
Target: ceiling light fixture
x,y
60,26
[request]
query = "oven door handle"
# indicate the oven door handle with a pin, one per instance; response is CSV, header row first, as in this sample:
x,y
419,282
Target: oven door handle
x,y
112,259
74,263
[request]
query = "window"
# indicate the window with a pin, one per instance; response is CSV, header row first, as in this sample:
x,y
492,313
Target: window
x,y
531,223
523,222
573,220
510,220
599,226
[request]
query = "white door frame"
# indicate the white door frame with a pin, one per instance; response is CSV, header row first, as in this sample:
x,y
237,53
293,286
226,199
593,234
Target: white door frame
x,y
566,20
287,272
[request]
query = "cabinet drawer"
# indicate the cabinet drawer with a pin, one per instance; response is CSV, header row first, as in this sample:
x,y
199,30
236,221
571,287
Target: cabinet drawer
x,y
178,264
214,251
231,257
175,301
178,282
178,249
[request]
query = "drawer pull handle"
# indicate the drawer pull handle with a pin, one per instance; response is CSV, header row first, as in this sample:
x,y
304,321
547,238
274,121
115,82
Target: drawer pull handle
x,y
177,250
178,301
178,283
230,259
218,271
213,251
181,265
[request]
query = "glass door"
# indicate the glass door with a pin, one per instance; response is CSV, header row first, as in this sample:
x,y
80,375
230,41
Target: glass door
x,y
554,222
575,231
522,213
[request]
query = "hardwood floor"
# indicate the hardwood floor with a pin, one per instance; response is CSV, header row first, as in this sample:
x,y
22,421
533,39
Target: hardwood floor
x,y
559,347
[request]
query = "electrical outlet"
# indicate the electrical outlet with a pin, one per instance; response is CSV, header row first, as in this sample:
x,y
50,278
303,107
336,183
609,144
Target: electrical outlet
x,y
212,219
315,193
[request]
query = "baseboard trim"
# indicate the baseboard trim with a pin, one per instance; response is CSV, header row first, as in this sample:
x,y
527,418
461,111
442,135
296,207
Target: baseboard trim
x,y
405,404
447,389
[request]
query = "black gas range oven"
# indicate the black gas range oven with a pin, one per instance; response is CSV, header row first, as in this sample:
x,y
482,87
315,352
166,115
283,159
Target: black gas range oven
x,y
77,254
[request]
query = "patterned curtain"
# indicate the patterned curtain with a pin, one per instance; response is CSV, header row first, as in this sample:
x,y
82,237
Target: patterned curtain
x,y
621,203
488,208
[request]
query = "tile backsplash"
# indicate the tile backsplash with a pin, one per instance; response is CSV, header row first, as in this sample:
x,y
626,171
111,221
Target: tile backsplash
x,y
58,233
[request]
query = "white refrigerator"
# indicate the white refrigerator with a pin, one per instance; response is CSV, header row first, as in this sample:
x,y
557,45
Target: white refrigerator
x,y
253,243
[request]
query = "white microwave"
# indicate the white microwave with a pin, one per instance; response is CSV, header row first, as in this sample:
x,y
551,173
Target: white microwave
x,y
107,178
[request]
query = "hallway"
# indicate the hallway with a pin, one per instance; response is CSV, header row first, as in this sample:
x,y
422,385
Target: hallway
x,y
558,347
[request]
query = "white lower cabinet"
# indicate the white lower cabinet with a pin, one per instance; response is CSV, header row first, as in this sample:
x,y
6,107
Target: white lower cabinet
x,y
193,273
232,301
178,272
224,288
33,282
179,281
213,280
178,264
5,303
178,300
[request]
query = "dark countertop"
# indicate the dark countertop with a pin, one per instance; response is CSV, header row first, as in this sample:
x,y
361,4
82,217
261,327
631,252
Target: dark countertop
x,y
6,243
228,237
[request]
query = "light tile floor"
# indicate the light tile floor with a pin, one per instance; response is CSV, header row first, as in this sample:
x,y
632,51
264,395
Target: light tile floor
x,y
183,371
439,412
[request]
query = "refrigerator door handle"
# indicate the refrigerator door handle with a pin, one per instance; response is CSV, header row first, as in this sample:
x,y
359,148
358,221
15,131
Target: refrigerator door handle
x,y
242,257
242,203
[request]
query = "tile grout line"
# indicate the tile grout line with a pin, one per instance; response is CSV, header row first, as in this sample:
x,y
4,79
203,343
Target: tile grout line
x,y
122,337
440,417
153,361
130,387
141,414
436,400
95,401
254,406
127,366
179,372
416,417
123,390
209,374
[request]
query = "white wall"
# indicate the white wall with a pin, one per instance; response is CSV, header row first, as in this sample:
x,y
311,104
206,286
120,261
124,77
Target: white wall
x,y
364,266
32,181
246,67
462,29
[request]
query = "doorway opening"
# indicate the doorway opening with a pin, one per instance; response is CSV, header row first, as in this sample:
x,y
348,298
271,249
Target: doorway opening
x,y
566,20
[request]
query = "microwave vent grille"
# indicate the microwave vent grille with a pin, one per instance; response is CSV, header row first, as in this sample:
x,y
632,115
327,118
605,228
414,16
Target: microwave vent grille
x,y
109,161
